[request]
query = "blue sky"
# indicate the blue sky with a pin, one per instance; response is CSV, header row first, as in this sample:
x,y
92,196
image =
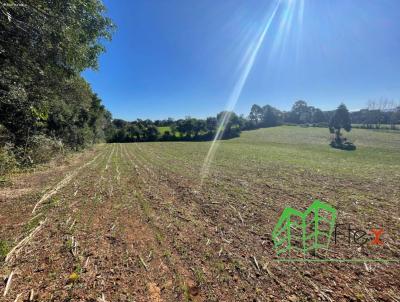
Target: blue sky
x,y
180,58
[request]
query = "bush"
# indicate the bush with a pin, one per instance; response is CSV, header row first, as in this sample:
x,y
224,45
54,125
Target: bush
x,y
167,136
343,145
7,160
41,149
4,249
321,125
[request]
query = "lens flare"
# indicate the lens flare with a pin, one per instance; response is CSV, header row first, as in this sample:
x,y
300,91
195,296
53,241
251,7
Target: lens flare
x,y
249,59
286,19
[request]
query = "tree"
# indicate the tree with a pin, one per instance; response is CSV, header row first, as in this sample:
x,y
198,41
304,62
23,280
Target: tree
x,y
231,123
375,114
151,133
211,124
133,133
270,116
118,123
173,129
181,127
44,47
188,127
318,116
256,113
300,113
340,119
119,135
395,117
199,126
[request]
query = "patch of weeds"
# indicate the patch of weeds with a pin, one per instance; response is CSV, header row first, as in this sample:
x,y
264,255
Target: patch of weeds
x,y
144,204
130,299
4,181
220,266
72,227
78,268
199,276
118,206
184,288
54,200
168,256
33,223
181,249
208,256
8,161
159,237
4,249
69,244
97,199
51,202
52,275
143,201
185,292
237,264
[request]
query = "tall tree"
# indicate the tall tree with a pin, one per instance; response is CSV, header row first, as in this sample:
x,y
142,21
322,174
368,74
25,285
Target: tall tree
x,y
339,120
270,116
256,114
211,124
299,112
199,126
44,46
232,124
318,116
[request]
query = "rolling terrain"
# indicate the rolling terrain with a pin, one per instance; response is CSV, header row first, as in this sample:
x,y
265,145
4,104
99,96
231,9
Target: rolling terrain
x,y
132,222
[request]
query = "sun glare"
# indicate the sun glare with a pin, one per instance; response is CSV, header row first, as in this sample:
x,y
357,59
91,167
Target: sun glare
x,y
284,12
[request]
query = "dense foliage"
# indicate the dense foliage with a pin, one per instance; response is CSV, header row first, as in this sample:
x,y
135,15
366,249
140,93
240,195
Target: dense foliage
x,y
300,113
259,117
188,129
44,46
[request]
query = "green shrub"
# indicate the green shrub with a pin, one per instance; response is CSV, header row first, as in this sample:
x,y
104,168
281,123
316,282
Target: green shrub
x,y
41,149
4,249
7,160
343,145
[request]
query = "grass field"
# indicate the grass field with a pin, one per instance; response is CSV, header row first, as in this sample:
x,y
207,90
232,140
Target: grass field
x,y
132,222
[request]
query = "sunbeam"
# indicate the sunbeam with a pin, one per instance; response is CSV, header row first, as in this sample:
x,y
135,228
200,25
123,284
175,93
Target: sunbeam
x,y
250,55
287,10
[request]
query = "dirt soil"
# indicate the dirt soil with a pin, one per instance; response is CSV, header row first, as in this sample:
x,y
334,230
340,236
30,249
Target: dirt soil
x,y
122,223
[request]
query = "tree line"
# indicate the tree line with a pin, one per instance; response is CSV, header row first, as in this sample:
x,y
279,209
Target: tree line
x,y
301,113
193,129
45,104
188,129
376,114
